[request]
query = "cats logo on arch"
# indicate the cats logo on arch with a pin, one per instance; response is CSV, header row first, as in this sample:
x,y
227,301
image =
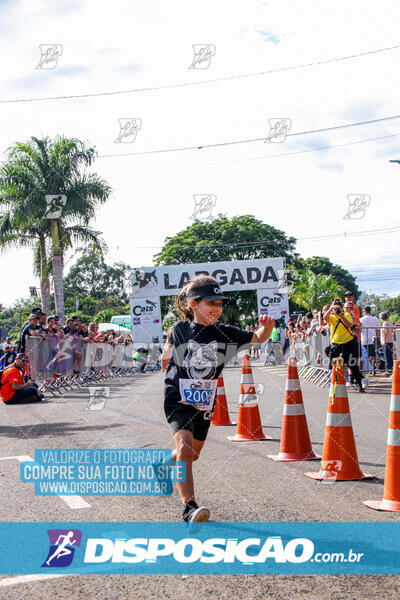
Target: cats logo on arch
x,y
63,543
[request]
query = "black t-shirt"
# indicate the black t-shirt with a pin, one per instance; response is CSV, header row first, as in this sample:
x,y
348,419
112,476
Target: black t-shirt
x,y
201,352
27,330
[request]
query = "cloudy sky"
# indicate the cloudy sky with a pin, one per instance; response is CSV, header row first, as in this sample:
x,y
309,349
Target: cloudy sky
x,y
299,184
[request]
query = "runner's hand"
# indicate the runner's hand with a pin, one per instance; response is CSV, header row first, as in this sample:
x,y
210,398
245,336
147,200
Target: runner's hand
x,y
268,323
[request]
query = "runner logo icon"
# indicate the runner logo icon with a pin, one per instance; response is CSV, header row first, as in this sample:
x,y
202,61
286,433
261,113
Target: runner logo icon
x,y
62,547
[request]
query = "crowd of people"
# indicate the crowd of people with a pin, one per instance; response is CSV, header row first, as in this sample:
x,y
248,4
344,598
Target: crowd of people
x,y
14,354
47,326
362,340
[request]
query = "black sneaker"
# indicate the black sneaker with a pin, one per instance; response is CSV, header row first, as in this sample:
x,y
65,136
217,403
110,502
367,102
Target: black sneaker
x,y
361,389
192,513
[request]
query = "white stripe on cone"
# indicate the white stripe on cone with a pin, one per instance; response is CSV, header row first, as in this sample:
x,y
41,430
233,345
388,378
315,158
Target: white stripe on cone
x,y
341,391
293,409
393,438
292,385
338,420
395,402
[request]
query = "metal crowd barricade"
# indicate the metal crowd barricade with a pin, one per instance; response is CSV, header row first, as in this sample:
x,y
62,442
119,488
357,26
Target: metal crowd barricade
x,y
372,338
313,362
57,364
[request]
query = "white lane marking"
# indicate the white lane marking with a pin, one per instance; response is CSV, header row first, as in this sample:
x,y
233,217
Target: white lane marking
x,y
73,502
28,579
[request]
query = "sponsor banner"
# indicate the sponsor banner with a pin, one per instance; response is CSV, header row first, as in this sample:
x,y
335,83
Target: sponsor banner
x,y
168,280
212,548
146,320
273,303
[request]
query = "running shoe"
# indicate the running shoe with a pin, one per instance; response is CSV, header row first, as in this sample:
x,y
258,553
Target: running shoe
x,y
373,372
365,382
192,513
361,389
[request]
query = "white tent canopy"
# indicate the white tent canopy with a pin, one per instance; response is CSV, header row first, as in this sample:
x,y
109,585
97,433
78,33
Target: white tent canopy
x,y
117,328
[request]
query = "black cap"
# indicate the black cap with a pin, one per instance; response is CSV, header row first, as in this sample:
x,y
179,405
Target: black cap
x,y
22,356
207,292
348,293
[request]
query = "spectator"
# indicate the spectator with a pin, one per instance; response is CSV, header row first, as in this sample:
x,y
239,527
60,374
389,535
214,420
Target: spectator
x,y
140,357
349,307
52,328
30,329
349,297
8,356
256,347
369,325
34,311
342,340
69,327
93,327
9,342
13,389
42,321
387,339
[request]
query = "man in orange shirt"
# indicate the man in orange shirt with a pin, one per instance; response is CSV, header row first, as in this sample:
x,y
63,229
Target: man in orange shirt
x,y
13,389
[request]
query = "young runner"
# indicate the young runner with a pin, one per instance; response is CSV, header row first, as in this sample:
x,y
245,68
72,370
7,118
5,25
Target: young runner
x,y
198,350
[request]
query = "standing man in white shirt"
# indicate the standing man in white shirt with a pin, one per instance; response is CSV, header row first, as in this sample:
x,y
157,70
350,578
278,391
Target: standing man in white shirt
x,y
367,335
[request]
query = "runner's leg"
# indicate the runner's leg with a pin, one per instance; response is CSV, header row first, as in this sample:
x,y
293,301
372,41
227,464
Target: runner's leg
x,y
187,449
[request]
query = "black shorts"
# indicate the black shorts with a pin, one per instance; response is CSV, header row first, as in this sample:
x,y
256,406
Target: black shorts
x,y
181,416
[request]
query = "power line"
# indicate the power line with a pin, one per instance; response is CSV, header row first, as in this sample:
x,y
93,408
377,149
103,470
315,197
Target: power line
x,y
190,243
383,137
207,81
236,142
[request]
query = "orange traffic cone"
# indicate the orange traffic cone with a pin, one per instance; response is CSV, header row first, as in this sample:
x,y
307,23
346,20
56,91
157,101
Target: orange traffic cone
x,y
391,489
249,423
295,440
339,454
221,413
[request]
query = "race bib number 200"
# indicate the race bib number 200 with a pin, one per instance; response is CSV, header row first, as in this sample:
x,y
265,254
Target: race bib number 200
x,y
198,392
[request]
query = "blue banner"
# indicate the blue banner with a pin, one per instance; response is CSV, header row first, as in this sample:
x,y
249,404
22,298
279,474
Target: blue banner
x,y
215,548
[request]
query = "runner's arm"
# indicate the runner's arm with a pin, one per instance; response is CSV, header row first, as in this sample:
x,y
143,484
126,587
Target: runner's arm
x,y
166,355
264,332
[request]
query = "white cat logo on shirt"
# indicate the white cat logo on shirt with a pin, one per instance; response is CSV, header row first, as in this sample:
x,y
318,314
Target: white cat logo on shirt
x,y
201,360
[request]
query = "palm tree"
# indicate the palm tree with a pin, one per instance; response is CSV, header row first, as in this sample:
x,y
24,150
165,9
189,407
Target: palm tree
x,y
43,167
313,291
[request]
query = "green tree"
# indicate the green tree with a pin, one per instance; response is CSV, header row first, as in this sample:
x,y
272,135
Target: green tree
x,y
392,306
240,238
92,277
321,265
313,291
104,316
41,167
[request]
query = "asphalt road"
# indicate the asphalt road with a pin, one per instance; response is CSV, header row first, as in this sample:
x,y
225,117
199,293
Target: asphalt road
x,y
236,481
